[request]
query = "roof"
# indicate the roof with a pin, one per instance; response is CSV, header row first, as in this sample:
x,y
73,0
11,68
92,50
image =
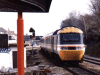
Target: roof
x,y
7,32
3,30
25,5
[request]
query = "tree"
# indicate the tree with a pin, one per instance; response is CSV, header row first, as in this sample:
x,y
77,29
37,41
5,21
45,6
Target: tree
x,y
96,10
73,21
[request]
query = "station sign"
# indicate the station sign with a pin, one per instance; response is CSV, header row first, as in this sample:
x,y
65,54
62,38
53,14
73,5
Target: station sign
x,y
3,41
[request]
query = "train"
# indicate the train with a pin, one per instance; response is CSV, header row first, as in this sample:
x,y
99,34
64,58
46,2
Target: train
x,y
65,43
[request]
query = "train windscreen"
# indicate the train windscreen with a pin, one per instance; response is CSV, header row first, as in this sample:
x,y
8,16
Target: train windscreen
x,y
71,38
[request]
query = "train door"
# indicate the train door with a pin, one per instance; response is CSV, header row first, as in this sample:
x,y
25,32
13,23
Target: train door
x,y
55,43
52,44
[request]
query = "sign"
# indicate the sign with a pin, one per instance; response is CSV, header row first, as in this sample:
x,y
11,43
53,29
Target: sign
x,y
3,41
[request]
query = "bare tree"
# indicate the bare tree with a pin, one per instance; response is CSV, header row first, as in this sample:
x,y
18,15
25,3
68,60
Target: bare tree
x,y
96,10
73,21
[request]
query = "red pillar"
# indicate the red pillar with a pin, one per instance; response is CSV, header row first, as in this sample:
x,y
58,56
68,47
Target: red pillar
x,y
20,45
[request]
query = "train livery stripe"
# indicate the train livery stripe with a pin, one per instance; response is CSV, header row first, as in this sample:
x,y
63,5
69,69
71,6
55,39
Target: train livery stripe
x,y
70,46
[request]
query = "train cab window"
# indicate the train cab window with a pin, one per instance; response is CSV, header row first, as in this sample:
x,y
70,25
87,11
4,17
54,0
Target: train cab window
x,y
70,38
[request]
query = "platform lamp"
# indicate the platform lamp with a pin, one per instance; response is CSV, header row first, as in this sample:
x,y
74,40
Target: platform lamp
x,y
33,32
33,37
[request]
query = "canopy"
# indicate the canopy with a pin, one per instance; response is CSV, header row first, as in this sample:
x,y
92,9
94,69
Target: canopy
x,y
25,5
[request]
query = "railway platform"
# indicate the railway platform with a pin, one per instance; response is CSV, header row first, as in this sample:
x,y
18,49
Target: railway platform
x,y
29,70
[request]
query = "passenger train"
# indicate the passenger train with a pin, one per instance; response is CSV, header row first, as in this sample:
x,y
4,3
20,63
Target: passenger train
x,y
67,43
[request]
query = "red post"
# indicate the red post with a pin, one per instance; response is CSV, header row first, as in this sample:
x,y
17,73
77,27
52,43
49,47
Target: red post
x,y
20,45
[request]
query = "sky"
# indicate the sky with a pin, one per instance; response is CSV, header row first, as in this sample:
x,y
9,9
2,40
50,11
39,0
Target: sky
x,y
45,23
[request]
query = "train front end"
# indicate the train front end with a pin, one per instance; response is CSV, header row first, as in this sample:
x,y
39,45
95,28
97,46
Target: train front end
x,y
70,44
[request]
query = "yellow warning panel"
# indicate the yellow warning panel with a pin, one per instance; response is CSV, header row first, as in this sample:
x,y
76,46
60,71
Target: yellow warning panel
x,y
71,54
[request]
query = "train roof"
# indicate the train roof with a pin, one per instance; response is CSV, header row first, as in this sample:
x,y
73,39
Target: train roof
x,y
52,33
70,29
56,31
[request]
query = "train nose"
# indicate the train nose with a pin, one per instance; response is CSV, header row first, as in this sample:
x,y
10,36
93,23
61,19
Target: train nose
x,y
71,54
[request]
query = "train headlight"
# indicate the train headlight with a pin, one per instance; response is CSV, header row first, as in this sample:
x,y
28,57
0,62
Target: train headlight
x,y
64,48
79,48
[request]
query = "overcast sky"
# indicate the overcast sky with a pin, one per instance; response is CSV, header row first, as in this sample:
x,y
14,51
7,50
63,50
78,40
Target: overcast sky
x,y
44,23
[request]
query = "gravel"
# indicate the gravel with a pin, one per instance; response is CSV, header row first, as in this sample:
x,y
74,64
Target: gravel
x,y
91,66
38,62
48,65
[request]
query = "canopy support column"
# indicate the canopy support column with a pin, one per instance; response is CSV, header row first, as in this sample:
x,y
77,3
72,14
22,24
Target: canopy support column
x,y
20,45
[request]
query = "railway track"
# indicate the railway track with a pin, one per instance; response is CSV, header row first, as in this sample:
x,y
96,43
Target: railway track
x,y
81,70
88,70
92,60
58,63
72,68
